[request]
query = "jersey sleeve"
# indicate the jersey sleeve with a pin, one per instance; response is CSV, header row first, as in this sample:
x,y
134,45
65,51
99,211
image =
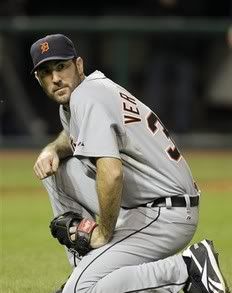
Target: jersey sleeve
x,y
99,133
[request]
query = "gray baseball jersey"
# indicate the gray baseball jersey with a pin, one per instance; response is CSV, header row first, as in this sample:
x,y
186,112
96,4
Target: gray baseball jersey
x,y
105,120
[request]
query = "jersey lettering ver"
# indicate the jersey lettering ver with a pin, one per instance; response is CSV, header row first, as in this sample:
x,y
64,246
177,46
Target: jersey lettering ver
x,y
107,121
130,110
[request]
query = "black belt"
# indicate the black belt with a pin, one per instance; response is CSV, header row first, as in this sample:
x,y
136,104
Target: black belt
x,y
176,201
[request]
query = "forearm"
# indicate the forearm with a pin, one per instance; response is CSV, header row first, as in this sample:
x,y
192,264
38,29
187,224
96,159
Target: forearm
x,y
60,145
109,187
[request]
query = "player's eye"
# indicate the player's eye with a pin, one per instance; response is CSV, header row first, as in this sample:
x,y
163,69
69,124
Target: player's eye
x,y
44,72
60,66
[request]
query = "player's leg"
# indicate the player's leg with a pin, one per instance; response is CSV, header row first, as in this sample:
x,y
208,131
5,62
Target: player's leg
x,y
127,262
195,271
67,194
168,275
72,188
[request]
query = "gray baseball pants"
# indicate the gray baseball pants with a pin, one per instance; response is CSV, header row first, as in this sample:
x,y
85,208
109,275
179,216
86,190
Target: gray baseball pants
x,y
143,254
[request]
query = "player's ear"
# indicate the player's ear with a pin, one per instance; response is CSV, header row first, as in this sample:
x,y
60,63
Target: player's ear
x,y
80,66
37,77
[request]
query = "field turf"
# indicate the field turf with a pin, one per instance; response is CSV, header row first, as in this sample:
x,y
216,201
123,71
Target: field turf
x,y
31,260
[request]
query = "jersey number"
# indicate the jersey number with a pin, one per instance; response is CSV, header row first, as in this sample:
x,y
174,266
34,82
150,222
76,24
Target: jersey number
x,y
152,122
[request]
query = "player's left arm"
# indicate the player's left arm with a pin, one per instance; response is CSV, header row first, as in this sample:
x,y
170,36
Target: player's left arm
x,y
109,182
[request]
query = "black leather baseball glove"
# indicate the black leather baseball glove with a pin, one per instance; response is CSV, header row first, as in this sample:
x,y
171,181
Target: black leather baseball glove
x,y
61,224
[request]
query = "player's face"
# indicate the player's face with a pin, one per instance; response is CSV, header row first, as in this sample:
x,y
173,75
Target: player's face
x,y
60,78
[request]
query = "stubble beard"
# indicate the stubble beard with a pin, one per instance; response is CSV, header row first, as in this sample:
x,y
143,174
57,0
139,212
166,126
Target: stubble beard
x,y
58,97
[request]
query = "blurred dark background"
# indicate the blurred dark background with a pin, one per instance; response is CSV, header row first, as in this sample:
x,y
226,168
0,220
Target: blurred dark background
x,y
175,55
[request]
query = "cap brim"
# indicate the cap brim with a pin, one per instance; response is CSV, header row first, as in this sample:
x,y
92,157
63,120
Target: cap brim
x,y
50,59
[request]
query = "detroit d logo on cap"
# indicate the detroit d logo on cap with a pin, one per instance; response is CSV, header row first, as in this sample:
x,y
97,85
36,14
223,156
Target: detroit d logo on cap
x,y
44,47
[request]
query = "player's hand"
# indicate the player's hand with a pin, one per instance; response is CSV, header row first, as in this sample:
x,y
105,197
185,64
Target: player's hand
x,y
46,164
97,238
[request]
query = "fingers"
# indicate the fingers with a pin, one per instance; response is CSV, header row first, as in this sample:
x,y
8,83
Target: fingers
x,y
72,231
55,164
39,171
46,165
42,169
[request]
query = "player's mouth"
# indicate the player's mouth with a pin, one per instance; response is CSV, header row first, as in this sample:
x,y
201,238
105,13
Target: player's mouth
x,y
59,89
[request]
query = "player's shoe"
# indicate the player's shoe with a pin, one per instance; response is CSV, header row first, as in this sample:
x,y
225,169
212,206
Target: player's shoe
x,y
205,275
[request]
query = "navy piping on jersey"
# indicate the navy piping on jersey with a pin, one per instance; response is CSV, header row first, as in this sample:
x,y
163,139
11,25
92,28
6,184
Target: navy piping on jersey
x,y
115,244
161,286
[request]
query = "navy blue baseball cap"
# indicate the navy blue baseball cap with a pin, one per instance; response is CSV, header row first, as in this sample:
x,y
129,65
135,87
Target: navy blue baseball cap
x,y
52,47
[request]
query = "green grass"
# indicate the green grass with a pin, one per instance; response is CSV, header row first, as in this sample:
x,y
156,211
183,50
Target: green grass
x,y
31,260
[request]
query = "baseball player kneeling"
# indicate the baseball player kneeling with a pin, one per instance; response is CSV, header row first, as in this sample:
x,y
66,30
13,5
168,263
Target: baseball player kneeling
x,y
123,197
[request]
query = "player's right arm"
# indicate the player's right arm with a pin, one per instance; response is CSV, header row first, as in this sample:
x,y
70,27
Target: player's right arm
x,y
47,162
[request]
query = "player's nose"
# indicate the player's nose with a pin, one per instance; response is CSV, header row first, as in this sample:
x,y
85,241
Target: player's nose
x,y
55,76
